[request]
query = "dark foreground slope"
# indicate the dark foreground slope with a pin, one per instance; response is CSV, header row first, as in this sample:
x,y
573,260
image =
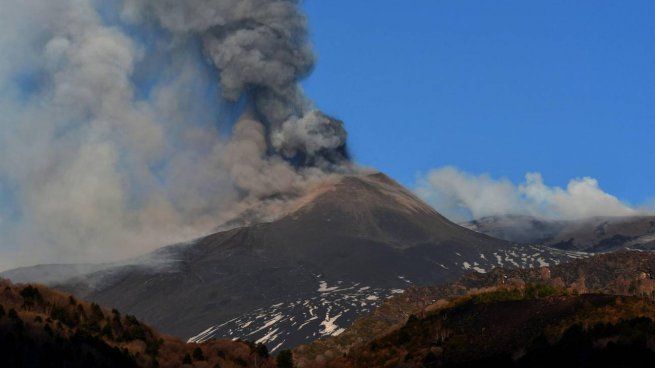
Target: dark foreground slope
x,y
40,327
625,273
536,326
337,254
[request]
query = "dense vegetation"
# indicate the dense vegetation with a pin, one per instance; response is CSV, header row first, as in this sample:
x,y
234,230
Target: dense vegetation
x,y
40,327
591,312
514,328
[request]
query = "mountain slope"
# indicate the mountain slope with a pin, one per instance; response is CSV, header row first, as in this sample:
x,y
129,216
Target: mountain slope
x,y
591,235
340,251
508,328
40,327
506,297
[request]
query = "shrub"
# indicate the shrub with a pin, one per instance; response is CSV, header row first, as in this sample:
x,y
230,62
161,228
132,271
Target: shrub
x,y
96,312
197,354
152,346
80,311
31,296
497,296
533,291
261,350
12,314
63,315
284,359
18,323
107,332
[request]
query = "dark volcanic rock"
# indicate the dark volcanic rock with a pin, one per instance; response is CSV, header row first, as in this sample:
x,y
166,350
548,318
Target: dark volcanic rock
x,y
358,233
500,314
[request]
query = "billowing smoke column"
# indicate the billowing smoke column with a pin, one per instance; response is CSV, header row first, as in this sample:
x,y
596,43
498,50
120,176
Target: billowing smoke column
x,y
114,117
261,50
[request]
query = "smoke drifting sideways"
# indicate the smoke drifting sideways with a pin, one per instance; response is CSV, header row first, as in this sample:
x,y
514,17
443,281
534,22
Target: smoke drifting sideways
x,y
462,197
131,124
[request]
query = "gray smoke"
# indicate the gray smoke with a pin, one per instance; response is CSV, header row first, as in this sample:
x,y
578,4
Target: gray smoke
x,y
96,167
262,51
462,197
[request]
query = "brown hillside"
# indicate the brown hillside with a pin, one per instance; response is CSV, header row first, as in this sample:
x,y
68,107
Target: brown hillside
x,y
40,327
627,273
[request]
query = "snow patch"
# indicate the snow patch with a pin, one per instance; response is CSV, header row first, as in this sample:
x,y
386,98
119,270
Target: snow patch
x,y
329,327
323,287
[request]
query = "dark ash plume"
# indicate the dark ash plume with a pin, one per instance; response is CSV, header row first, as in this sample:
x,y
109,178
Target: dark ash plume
x,y
261,50
111,132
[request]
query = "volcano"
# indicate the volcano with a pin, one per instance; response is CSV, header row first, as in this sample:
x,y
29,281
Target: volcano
x,y
598,234
337,253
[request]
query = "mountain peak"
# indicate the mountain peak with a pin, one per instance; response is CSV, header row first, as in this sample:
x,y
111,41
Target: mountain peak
x,y
353,239
362,192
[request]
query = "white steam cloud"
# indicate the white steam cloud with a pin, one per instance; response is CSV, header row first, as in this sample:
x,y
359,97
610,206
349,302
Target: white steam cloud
x,y
116,117
461,196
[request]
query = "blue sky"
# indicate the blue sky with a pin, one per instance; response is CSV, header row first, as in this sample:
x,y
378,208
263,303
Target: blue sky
x,y
559,87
